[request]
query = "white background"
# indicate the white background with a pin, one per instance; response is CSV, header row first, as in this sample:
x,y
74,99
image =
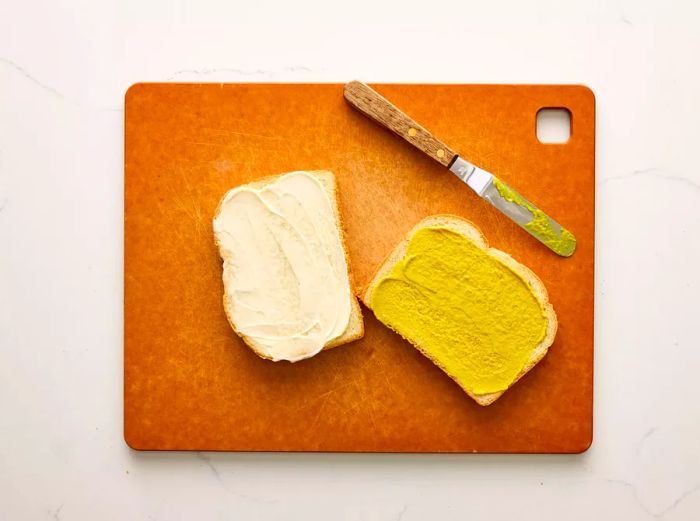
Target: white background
x,y
64,67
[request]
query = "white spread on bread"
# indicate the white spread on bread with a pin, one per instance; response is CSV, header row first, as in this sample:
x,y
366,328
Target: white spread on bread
x,y
285,274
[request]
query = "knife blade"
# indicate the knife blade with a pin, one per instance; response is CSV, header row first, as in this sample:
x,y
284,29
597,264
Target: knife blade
x,y
510,203
487,186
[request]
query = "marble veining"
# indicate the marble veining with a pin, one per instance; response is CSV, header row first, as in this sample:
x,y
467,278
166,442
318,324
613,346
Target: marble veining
x,y
660,514
48,88
238,72
655,173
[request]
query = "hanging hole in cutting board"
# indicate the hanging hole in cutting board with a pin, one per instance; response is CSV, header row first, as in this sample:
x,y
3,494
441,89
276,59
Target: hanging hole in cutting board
x,y
553,125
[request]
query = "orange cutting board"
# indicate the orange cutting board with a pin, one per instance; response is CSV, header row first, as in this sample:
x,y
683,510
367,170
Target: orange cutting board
x,y
191,384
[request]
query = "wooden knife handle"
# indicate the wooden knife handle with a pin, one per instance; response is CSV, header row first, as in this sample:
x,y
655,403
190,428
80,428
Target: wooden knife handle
x,y
370,103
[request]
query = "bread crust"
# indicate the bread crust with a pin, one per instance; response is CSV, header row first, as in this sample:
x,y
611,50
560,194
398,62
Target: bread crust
x,y
471,232
355,329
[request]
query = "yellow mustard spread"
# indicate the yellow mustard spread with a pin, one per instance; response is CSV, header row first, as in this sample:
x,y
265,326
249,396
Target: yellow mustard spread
x,y
563,243
472,315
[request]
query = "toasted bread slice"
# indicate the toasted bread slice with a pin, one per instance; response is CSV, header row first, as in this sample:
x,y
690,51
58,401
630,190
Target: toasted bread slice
x,y
355,326
473,234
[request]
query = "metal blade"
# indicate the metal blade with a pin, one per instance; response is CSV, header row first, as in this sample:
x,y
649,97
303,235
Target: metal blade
x,y
516,207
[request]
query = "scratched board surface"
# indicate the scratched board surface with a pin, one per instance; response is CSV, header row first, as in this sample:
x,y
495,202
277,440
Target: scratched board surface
x,y
191,384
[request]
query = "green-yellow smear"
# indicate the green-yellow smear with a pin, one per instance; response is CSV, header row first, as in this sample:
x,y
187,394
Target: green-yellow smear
x,y
470,313
563,243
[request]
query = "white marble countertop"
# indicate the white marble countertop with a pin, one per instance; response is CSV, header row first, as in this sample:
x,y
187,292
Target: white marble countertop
x,y
64,67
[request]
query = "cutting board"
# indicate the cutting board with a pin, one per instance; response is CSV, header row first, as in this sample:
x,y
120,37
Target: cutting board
x,y
191,384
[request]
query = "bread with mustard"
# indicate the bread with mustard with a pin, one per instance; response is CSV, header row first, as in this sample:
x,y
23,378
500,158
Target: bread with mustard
x,y
478,314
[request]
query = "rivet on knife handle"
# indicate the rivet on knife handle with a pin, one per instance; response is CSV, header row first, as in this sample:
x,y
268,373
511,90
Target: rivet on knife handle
x,y
370,103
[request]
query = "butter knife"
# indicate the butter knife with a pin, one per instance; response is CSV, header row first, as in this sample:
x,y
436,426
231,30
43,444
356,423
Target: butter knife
x,y
486,185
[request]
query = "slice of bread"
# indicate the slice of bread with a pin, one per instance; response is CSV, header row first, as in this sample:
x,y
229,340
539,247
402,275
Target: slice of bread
x,y
355,326
473,234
